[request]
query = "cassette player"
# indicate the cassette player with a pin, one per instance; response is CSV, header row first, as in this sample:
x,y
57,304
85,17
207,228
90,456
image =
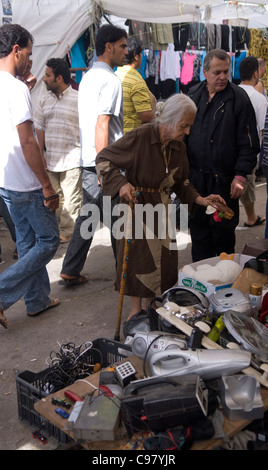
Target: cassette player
x,y
159,403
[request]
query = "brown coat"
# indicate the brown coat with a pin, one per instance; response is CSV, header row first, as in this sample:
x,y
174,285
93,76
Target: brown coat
x,y
152,267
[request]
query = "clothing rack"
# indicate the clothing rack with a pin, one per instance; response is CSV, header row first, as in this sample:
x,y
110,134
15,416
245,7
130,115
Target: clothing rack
x,y
186,37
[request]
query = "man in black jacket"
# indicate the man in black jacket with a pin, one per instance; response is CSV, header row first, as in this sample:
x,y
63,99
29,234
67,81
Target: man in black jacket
x,y
222,149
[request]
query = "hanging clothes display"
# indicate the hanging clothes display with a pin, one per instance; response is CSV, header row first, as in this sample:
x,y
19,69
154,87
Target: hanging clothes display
x,y
141,31
173,61
240,38
236,60
211,37
187,68
170,64
258,47
202,56
162,35
143,67
225,43
181,34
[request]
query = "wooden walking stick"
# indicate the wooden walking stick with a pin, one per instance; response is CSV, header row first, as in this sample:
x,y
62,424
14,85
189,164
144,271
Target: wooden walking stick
x,y
124,269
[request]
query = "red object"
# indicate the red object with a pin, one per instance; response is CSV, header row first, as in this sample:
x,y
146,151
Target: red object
x,y
72,396
107,392
263,318
216,217
40,437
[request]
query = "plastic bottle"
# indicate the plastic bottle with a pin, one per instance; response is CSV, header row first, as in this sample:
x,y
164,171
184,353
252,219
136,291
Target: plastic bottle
x,y
216,330
255,297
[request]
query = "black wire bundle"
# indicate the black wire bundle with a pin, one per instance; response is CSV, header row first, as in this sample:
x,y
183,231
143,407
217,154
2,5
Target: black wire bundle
x,y
70,364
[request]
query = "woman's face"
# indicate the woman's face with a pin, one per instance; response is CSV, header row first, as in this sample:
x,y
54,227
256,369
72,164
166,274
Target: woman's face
x,y
181,129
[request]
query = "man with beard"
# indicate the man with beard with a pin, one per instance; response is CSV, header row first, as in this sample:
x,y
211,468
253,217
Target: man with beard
x,y
24,184
57,128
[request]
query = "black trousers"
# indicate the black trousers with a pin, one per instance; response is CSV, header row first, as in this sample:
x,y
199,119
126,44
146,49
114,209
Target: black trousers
x,y
211,238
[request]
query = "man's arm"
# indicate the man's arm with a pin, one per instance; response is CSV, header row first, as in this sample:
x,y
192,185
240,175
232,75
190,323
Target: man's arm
x,y
146,116
102,132
34,159
41,141
144,104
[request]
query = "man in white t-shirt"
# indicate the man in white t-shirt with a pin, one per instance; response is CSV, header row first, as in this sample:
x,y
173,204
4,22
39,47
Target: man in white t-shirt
x,y
101,120
24,183
249,74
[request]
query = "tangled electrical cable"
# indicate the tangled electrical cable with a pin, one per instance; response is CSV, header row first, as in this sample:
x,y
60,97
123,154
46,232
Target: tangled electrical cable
x,y
70,364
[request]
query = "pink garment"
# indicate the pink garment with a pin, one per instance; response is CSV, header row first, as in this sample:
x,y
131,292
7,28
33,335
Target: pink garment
x,y
187,68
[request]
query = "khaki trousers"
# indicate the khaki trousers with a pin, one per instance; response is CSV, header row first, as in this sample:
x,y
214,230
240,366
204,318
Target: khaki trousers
x,y
68,184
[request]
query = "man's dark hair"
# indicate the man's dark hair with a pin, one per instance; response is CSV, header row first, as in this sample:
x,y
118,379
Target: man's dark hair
x,y
218,53
60,67
108,33
248,67
134,47
12,34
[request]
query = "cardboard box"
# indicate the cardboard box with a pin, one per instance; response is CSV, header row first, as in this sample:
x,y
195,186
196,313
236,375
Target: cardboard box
x,y
206,287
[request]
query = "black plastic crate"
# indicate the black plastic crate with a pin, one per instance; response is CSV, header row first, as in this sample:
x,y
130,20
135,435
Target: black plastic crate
x,y
32,387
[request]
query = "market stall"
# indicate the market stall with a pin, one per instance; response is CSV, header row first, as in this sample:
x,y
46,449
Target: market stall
x,y
195,367
57,27
174,336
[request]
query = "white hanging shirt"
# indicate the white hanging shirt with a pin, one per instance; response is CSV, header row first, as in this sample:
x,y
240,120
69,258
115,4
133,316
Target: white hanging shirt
x,y
170,63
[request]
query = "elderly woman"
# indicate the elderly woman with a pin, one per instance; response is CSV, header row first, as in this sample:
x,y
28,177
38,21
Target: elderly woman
x,y
154,160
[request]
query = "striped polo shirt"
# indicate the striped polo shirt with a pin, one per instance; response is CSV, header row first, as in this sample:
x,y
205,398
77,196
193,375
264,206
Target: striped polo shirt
x,y
136,96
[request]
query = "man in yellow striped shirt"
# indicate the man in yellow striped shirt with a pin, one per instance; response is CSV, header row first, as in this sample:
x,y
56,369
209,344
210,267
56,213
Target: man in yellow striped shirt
x,y
139,102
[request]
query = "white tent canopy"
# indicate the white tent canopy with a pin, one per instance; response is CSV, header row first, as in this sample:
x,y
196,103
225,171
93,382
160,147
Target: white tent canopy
x,y
57,24
174,11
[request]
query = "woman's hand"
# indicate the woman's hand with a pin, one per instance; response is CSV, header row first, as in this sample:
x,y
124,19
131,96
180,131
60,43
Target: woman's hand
x,y
210,200
127,191
219,204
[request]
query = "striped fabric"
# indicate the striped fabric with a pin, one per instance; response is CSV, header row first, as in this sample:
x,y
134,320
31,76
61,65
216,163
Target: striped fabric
x,y
58,118
136,96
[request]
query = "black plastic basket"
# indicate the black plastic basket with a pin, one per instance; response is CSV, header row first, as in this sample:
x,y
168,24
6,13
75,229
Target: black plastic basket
x,y
32,387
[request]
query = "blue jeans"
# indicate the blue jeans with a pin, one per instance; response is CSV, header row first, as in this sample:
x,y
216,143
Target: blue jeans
x,y
6,216
79,246
37,237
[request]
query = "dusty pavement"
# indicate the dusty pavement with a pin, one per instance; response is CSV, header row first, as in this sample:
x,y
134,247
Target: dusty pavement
x,y
85,313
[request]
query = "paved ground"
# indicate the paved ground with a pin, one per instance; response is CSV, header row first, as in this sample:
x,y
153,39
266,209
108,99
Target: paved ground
x,y
86,312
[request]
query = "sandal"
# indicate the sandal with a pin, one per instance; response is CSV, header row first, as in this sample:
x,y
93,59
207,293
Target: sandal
x,y
3,320
258,221
73,281
53,303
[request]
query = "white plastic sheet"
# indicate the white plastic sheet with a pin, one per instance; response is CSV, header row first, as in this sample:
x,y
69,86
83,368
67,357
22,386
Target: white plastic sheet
x,y
57,24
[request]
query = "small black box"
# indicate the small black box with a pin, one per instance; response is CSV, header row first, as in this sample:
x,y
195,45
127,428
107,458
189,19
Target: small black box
x,y
159,403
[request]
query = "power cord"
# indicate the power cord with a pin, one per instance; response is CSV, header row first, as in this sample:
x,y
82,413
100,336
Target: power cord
x,y
70,364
